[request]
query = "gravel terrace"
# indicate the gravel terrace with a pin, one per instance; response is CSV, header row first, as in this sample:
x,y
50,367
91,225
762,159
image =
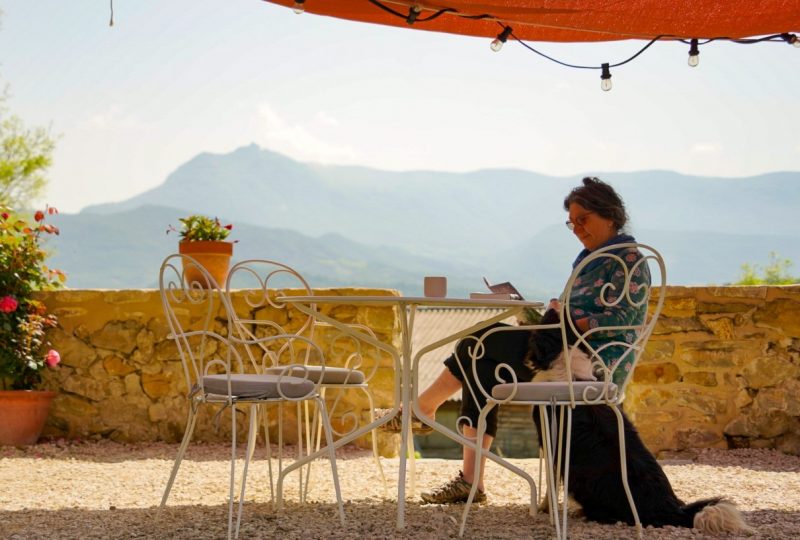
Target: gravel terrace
x,y
85,490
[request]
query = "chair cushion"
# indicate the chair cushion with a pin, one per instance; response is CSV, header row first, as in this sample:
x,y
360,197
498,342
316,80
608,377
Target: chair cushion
x,y
331,375
545,391
258,386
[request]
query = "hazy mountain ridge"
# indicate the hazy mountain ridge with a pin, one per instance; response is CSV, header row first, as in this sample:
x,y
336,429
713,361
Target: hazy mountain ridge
x,y
348,225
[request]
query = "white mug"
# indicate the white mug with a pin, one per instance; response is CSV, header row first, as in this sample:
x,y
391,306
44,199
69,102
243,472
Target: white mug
x,y
435,286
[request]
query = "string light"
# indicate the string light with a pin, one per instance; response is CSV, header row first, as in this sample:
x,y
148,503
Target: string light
x,y
605,78
501,38
111,20
791,39
299,6
414,11
694,54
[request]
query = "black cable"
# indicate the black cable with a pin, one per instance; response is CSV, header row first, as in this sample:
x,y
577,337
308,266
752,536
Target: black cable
x,y
743,41
586,67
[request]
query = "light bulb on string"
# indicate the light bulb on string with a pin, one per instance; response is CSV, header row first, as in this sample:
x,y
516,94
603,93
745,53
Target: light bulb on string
x,y
694,54
413,13
299,6
501,38
605,78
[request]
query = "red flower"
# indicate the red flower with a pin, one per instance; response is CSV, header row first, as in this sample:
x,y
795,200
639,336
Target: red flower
x,y
229,226
5,215
39,215
52,358
8,304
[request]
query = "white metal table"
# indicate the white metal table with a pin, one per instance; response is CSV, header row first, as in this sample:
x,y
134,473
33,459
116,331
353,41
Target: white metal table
x,y
406,391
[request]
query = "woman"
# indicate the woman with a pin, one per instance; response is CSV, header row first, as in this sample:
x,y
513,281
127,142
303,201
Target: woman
x,y
597,217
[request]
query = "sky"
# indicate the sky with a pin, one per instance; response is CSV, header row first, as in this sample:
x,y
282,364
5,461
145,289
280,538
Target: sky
x,y
130,103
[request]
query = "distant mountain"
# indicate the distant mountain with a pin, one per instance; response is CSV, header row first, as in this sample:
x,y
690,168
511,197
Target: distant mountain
x,y
360,226
465,216
125,250
542,263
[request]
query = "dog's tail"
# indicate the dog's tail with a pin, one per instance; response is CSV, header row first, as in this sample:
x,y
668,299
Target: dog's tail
x,y
716,516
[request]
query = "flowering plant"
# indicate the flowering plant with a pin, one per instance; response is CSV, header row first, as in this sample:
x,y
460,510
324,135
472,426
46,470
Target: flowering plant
x,y
197,227
23,318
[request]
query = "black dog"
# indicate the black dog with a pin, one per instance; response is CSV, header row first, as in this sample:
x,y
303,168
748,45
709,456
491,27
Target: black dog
x,y
595,480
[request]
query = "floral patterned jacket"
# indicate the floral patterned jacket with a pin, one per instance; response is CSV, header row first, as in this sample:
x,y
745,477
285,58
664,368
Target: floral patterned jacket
x,y
586,300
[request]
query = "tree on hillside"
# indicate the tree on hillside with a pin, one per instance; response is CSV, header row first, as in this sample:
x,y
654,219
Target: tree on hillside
x,y
25,155
775,273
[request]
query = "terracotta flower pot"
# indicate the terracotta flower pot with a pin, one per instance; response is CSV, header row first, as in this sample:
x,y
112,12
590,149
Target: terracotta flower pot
x,y
213,255
23,414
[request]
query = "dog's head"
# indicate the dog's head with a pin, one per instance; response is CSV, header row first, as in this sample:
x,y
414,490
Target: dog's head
x,y
545,345
545,348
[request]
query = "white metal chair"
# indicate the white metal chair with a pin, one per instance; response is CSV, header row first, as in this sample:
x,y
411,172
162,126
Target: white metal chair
x,y
215,364
261,282
613,351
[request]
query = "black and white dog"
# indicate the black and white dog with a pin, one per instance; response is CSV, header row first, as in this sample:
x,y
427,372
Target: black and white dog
x,y
594,476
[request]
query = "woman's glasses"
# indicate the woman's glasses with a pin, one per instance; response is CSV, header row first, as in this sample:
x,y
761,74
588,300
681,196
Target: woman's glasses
x,y
579,221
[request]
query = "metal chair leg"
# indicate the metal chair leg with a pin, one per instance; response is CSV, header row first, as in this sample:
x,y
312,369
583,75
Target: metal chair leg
x,y
187,436
624,469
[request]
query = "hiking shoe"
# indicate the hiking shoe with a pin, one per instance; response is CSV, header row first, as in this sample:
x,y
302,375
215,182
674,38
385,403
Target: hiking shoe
x,y
395,423
454,491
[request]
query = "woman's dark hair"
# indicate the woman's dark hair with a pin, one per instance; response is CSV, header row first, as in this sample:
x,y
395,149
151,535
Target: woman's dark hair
x,y
600,198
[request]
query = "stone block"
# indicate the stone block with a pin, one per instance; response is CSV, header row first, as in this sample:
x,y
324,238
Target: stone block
x,y
742,399
119,336
116,388
116,366
681,306
145,342
700,401
769,371
789,443
707,359
67,406
741,426
151,368
648,397
74,352
728,308
721,327
156,385
772,423
157,412
782,314
129,296
699,438
785,397
92,389
380,319
755,293
673,325
133,385
661,373
658,350
700,378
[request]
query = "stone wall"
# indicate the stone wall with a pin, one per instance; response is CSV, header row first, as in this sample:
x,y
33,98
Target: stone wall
x,y
721,370
121,378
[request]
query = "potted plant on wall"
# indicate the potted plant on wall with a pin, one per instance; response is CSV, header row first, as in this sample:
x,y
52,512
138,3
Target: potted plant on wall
x,y
23,321
203,239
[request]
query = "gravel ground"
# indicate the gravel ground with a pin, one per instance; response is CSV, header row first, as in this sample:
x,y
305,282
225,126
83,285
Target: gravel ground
x,y
93,490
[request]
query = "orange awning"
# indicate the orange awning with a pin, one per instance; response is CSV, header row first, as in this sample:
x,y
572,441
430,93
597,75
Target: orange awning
x,y
576,20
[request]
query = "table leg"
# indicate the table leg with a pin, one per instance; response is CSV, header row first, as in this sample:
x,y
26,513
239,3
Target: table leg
x,y
406,316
